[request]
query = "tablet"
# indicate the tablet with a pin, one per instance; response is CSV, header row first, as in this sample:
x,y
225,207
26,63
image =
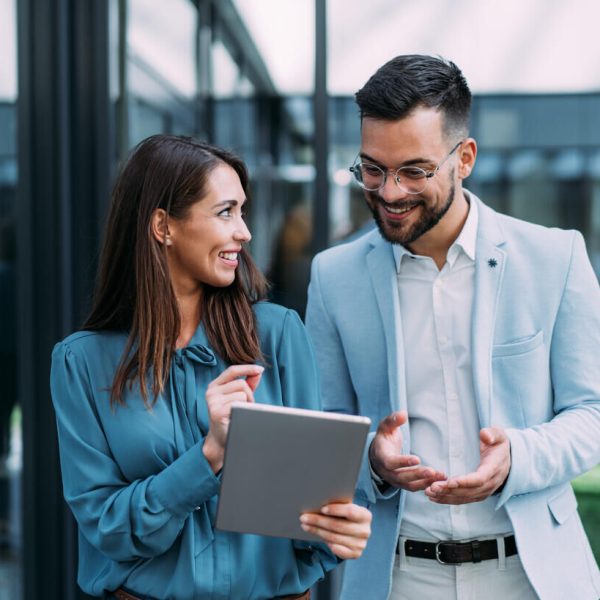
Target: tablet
x,y
280,462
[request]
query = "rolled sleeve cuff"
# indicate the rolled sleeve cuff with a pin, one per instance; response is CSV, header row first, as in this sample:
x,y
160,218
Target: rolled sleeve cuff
x,y
375,487
186,483
518,462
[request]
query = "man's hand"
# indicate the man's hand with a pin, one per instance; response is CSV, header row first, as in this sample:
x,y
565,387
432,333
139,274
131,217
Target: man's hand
x,y
493,469
399,470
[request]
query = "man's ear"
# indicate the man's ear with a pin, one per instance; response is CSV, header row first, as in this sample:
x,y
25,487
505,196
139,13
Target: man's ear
x,y
160,227
467,153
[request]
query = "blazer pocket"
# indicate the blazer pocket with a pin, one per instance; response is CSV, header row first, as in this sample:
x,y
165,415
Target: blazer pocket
x,y
563,505
521,383
521,346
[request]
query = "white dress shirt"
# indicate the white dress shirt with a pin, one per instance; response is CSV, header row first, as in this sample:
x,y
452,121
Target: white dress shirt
x,y
436,326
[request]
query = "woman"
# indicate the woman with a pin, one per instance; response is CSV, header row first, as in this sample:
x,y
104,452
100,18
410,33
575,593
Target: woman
x,y
143,393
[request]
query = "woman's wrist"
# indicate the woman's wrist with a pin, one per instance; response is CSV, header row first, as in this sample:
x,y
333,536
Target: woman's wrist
x,y
213,453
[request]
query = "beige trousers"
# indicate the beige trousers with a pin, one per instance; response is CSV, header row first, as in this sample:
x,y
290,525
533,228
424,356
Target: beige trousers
x,y
426,579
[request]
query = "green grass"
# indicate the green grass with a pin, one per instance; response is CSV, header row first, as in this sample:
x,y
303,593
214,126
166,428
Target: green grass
x,y
587,490
588,482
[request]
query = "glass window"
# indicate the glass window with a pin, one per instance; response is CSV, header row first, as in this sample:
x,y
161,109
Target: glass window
x,y
226,73
10,414
161,77
174,24
284,33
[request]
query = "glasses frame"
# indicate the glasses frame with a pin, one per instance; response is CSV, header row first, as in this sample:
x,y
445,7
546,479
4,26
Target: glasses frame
x,y
427,175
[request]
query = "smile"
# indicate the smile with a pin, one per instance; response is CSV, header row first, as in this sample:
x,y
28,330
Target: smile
x,y
397,211
229,255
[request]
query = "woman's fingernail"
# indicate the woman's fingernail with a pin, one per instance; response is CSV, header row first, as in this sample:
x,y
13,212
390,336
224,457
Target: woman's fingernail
x,y
325,510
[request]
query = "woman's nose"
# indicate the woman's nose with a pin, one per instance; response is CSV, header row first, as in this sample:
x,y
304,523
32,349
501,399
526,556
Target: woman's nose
x,y
242,233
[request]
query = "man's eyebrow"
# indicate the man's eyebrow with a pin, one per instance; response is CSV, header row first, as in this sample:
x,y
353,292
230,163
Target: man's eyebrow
x,y
407,163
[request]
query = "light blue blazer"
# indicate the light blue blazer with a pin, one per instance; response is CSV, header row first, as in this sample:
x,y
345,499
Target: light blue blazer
x,y
536,370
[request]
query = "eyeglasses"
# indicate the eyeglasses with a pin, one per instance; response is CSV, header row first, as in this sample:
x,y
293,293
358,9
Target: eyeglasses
x,y
411,180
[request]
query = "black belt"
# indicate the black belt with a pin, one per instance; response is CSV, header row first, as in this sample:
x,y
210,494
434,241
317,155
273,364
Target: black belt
x,y
455,553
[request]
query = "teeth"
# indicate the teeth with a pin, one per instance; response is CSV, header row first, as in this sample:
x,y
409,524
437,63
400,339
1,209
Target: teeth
x,y
398,211
229,255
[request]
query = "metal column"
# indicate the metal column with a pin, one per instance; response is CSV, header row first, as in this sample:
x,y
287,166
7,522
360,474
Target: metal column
x,y
321,136
64,154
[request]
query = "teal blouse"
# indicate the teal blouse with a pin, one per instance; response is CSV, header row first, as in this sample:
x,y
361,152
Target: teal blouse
x,y
142,492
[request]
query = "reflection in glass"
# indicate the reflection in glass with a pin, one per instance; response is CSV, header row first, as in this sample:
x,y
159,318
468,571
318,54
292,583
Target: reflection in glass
x,y
173,23
533,194
161,69
226,72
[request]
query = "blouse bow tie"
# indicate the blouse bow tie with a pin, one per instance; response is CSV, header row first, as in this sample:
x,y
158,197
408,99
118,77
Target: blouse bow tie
x,y
199,354
186,399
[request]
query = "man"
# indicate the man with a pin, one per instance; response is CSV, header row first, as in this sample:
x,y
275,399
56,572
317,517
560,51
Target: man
x,y
472,340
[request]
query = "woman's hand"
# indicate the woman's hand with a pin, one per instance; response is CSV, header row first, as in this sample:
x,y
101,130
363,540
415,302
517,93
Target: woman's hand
x,y
236,384
345,528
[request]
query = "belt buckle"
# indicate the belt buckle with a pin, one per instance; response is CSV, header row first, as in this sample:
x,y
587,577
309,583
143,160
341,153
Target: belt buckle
x,y
438,554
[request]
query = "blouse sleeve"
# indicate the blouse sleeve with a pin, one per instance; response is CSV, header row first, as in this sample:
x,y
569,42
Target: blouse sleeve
x,y
125,520
300,389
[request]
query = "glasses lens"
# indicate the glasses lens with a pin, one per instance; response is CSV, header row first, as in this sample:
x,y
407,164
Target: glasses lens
x,y
371,177
411,180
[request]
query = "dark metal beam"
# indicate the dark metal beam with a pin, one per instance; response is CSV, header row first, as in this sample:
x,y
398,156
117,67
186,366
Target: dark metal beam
x,y
205,105
321,138
122,108
64,162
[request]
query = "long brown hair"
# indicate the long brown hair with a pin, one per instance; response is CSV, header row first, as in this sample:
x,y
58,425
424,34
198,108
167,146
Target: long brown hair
x,y
133,290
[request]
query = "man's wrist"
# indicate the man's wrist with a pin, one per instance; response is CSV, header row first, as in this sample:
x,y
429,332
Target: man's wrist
x,y
379,481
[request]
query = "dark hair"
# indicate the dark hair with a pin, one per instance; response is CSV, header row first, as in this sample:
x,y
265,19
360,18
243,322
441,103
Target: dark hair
x,y
133,291
411,81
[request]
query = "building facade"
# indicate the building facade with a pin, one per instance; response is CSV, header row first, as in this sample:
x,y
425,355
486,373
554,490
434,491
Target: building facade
x,y
82,83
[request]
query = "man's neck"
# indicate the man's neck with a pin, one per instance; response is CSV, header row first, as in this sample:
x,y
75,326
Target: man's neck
x,y
437,241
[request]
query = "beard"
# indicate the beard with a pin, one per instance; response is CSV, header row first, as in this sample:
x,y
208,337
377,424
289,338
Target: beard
x,y
400,232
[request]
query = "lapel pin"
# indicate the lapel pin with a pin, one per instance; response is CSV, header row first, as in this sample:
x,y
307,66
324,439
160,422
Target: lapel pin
x,y
492,262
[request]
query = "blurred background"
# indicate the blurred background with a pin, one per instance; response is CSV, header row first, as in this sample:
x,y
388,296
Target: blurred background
x,y
273,80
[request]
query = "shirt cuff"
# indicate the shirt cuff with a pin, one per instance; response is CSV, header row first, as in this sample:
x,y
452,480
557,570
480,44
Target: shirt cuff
x,y
186,483
374,475
383,487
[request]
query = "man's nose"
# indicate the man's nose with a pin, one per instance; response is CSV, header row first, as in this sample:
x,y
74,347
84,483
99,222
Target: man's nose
x,y
391,191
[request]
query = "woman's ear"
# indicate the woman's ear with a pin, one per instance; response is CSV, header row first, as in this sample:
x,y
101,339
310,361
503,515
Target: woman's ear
x,y
160,227
466,157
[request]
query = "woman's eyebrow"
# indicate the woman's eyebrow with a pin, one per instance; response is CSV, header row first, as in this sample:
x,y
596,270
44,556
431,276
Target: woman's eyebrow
x,y
231,202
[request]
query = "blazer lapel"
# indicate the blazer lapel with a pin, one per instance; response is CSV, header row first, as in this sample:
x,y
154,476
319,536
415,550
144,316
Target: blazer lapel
x,y
490,263
382,269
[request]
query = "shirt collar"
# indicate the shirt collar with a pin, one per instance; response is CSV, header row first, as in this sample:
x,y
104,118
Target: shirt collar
x,y
466,240
200,337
